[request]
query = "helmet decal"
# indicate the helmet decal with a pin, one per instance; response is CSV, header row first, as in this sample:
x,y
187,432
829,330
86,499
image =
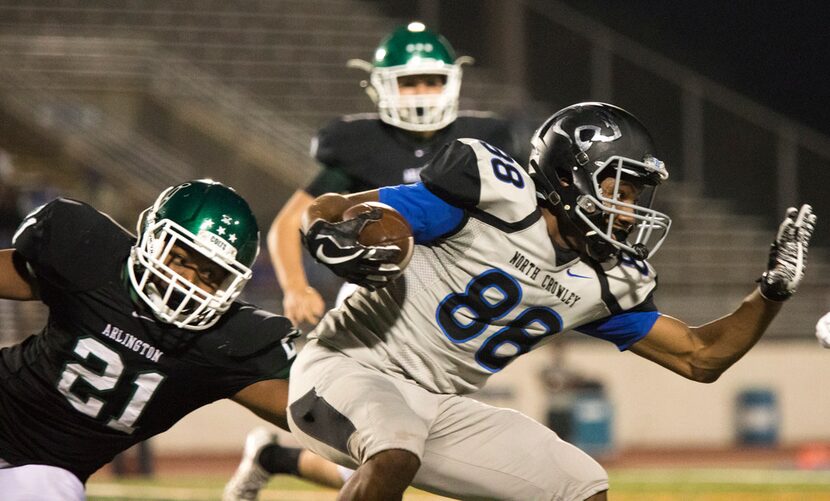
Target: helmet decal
x,y
586,135
585,141
222,236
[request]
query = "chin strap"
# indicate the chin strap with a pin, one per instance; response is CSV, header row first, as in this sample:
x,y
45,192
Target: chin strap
x,y
641,252
598,248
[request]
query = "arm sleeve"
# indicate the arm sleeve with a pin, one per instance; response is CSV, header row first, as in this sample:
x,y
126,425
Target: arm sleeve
x,y
429,216
624,329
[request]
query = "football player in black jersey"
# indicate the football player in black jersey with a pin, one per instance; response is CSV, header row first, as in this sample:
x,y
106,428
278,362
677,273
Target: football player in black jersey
x,y
140,333
414,79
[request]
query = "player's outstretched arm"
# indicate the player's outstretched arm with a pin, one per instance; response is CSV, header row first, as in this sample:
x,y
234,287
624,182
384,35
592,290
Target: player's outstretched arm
x,y
301,302
15,280
703,353
267,399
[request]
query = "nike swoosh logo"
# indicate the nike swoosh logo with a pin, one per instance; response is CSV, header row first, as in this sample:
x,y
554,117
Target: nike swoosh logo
x,y
22,227
572,274
335,260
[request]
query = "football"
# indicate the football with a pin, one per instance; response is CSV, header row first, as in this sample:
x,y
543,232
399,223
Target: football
x,y
390,229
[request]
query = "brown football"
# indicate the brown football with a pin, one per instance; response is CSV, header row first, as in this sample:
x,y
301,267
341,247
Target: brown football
x,y
390,229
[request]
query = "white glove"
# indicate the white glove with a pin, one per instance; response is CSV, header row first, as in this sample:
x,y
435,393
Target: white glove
x,y
788,254
823,330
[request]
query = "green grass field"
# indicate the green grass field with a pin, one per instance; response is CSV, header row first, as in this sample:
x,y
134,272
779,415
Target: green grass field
x,y
675,484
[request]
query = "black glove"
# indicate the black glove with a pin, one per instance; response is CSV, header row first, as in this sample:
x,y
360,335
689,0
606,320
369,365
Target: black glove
x,y
336,246
788,254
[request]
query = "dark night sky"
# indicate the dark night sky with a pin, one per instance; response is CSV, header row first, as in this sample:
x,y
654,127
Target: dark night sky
x,y
775,52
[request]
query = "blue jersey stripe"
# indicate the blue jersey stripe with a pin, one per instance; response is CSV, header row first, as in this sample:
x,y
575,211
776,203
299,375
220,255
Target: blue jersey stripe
x,y
623,329
429,216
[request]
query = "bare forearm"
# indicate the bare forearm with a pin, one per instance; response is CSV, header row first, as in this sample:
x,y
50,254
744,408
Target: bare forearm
x,y
284,247
703,353
267,399
727,339
286,253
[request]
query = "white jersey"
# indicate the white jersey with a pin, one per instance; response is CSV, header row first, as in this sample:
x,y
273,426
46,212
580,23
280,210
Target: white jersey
x,y
470,303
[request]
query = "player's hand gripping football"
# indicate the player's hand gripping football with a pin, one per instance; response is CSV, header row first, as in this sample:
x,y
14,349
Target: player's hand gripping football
x,y
788,254
336,246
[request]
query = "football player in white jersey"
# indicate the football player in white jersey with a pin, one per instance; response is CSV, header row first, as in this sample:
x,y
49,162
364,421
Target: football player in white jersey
x,y
506,259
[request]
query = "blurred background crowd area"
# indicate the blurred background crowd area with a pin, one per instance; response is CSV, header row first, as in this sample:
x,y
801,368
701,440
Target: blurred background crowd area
x,y
110,101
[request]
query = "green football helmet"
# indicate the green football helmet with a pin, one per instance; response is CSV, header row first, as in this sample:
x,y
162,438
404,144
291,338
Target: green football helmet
x,y
201,215
414,50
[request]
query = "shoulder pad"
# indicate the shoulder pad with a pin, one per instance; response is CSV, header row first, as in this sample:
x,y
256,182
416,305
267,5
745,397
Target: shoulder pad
x,y
355,117
72,245
475,175
250,331
344,135
476,114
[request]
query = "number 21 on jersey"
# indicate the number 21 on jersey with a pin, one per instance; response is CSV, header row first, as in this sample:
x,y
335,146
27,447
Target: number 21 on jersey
x,y
105,381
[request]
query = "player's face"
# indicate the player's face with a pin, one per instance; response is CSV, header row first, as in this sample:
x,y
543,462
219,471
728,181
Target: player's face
x,y
627,193
410,85
196,268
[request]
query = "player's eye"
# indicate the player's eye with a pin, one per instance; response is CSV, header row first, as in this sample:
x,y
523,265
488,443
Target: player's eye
x,y
407,82
434,80
625,194
177,259
212,277
426,80
208,277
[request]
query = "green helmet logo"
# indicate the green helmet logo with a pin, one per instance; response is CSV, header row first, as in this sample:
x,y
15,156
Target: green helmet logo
x,y
409,51
413,45
216,215
202,216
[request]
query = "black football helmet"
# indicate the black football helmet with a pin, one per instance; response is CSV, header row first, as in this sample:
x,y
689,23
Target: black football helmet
x,y
579,147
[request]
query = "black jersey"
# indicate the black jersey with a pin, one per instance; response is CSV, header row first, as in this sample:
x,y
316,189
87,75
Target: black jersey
x,y
361,152
104,374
